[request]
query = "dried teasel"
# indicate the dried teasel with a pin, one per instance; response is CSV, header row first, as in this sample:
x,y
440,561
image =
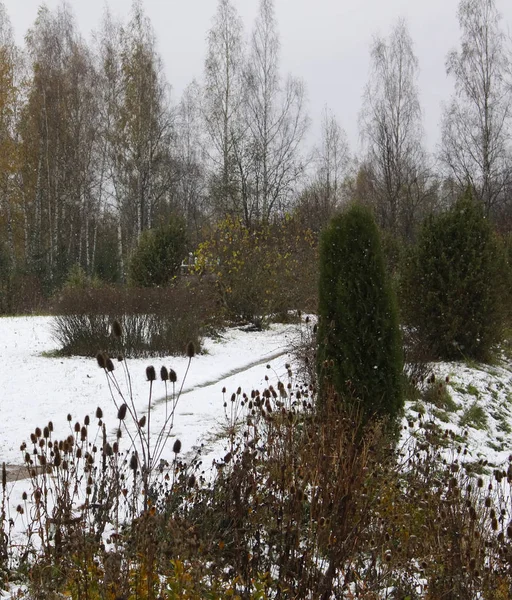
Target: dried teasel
x,y
99,413
191,350
101,359
142,421
173,378
164,373
109,365
176,447
121,413
150,373
87,420
133,462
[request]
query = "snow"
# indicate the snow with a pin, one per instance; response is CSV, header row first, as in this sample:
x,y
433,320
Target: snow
x,y
35,388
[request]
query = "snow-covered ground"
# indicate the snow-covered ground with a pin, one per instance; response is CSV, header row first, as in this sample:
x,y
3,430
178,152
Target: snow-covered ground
x,y
35,388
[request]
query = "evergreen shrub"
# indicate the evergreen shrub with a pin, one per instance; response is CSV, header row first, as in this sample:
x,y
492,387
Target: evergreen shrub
x,y
158,256
359,344
454,287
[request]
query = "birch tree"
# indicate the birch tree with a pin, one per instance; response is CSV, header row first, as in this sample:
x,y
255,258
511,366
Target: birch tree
x,y
391,130
476,127
277,119
224,95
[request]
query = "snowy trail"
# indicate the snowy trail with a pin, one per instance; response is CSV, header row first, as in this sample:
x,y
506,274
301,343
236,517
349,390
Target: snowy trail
x,y
35,389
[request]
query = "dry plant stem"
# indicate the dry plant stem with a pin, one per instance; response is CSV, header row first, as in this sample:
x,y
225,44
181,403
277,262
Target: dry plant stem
x,y
169,421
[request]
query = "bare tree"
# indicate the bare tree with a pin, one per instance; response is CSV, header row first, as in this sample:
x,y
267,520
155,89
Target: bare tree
x,y
189,157
9,106
475,148
391,129
223,98
332,157
276,115
58,133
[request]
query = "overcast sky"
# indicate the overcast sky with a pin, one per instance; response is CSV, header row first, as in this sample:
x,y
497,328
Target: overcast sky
x,y
325,42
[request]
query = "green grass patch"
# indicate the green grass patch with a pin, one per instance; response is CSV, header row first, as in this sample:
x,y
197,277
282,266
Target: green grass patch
x,y
474,416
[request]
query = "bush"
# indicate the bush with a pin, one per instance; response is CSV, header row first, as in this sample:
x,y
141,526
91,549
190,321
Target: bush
x,y
156,322
360,352
158,256
261,273
453,288
299,507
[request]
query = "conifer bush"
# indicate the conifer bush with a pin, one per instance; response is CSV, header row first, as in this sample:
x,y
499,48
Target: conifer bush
x,y
453,289
157,258
359,353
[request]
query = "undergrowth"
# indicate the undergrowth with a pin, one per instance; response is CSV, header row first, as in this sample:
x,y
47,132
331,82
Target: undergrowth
x,y
301,505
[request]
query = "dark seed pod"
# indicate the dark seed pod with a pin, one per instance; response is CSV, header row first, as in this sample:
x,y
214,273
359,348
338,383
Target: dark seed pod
x,y
69,417
121,413
191,481
133,462
191,350
142,421
50,426
83,434
99,413
150,373
77,427
109,365
164,374
101,360
87,420
173,378
38,432
176,447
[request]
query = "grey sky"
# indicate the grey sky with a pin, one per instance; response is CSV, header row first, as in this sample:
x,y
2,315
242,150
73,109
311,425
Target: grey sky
x,y
326,42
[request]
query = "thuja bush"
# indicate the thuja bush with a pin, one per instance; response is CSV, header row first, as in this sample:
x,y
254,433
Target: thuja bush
x,y
157,258
359,345
155,321
454,285
261,273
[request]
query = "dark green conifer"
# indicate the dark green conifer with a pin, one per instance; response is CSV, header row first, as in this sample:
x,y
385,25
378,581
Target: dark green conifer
x,y
359,346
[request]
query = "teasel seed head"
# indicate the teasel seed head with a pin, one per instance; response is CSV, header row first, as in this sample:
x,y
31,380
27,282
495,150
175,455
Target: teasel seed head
x,y
133,462
109,365
101,360
87,420
173,378
99,413
191,350
142,421
150,373
121,413
164,374
176,447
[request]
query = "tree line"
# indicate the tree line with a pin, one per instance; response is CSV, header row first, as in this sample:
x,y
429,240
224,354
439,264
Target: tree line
x,y
93,152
